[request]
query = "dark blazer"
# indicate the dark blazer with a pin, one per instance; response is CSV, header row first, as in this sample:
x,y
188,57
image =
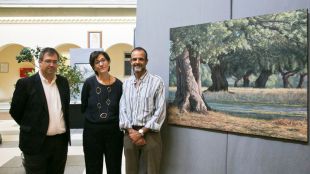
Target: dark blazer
x,y
29,109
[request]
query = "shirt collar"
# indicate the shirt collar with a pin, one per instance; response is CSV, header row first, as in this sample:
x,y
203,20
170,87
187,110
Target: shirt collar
x,y
43,79
142,78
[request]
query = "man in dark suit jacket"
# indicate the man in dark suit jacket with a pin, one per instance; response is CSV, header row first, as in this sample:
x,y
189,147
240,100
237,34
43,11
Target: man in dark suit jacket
x,y
40,106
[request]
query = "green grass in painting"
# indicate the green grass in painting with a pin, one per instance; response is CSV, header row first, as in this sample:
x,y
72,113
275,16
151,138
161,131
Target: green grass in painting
x,y
282,96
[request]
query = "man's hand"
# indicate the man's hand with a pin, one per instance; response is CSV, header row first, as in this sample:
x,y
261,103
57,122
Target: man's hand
x,y
136,137
140,142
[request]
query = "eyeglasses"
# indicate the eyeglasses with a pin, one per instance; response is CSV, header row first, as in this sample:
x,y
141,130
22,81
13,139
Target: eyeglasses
x,y
97,62
49,62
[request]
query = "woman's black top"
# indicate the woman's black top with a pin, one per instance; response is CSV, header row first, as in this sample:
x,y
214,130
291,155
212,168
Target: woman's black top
x,y
100,103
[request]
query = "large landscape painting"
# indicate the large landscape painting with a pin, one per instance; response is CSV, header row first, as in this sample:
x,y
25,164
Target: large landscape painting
x,y
247,76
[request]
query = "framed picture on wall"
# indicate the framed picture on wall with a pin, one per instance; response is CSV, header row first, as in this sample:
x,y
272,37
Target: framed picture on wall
x,y
4,67
85,69
94,39
253,79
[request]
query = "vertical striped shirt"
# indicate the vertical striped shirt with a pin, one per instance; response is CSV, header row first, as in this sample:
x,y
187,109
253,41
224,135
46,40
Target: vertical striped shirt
x,y
143,105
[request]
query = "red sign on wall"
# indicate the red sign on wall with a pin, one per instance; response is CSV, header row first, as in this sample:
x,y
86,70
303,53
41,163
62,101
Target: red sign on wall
x,y
23,71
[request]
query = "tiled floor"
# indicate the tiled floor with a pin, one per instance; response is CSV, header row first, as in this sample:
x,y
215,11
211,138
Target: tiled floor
x,y
10,161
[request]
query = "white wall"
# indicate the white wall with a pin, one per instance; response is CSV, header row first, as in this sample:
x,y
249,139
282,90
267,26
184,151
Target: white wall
x,y
42,35
53,27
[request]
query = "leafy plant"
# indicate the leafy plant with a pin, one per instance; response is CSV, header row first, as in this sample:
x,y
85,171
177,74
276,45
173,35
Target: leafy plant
x,y
73,75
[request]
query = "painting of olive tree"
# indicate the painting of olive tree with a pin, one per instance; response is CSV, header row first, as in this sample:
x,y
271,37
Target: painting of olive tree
x,y
247,76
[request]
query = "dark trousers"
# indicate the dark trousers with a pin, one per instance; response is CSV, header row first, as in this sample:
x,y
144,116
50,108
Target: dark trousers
x,y
146,158
102,140
51,159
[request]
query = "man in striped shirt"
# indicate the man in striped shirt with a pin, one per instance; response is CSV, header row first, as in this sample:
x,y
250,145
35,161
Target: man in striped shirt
x,y
142,113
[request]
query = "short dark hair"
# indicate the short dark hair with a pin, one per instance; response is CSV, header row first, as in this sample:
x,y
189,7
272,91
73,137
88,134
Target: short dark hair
x,y
140,49
49,51
94,55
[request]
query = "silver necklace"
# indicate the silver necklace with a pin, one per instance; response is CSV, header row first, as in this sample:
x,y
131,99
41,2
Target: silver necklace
x,y
103,115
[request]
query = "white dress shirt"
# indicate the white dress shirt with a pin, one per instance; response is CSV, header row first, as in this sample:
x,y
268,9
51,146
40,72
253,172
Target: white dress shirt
x,y
56,119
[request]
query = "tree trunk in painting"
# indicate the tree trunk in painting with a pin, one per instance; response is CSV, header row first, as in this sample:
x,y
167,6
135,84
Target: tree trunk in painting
x,y
301,79
262,79
285,76
246,79
188,97
219,81
194,59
